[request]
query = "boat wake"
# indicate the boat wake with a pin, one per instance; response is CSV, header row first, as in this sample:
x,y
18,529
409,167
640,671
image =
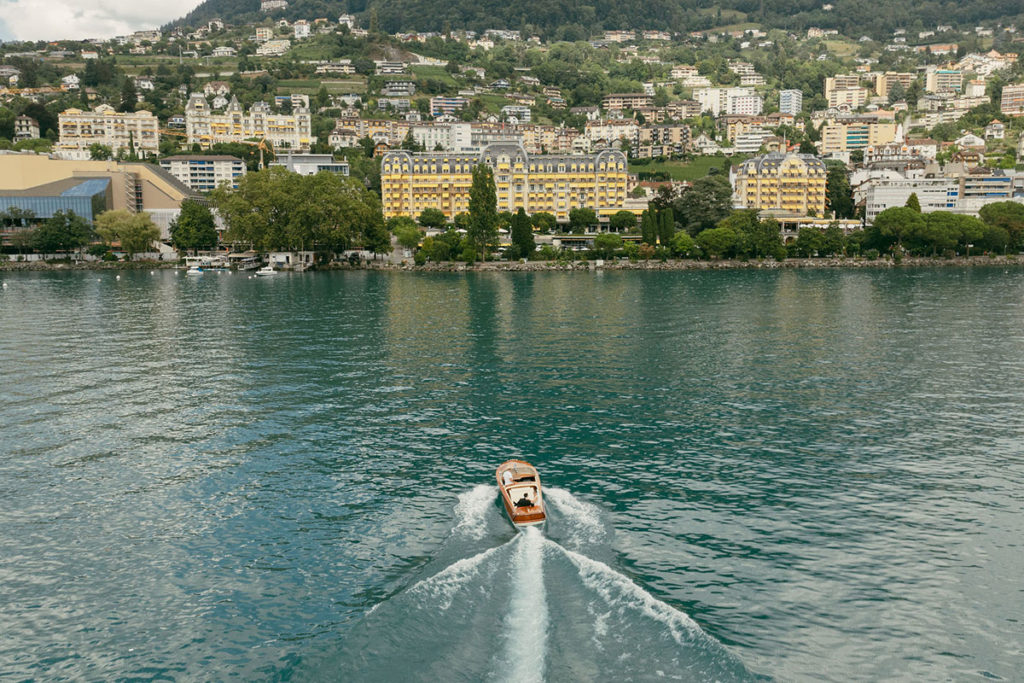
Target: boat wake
x,y
529,609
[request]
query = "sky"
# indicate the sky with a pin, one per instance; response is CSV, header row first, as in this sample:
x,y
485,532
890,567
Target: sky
x,y
79,19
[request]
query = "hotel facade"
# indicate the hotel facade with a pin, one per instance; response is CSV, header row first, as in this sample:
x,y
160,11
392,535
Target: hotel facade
x,y
794,183
288,131
556,184
80,129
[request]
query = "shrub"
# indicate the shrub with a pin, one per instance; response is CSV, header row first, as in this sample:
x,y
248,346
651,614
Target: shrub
x,y
871,254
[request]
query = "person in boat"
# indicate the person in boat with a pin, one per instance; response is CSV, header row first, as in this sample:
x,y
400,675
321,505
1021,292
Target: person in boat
x,y
524,502
507,477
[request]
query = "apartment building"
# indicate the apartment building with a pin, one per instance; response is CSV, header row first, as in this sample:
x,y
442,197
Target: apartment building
x,y
284,131
622,101
839,138
944,80
791,102
729,101
81,129
557,184
1012,102
884,82
311,164
661,140
848,98
447,105
794,183
205,173
841,82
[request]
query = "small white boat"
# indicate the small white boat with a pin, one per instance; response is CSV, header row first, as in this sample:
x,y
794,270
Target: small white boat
x,y
266,270
194,270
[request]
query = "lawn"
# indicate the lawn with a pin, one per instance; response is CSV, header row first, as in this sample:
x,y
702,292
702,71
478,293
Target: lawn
x,y
435,72
311,86
686,170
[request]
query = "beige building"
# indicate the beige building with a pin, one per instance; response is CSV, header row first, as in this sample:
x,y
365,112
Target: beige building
x,y
853,98
282,131
838,138
133,186
79,130
1012,102
944,80
794,183
841,82
556,184
884,82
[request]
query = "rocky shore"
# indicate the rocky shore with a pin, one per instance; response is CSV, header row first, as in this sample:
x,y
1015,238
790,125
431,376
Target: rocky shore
x,y
589,265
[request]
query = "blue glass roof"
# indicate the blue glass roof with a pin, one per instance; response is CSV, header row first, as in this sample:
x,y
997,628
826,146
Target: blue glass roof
x,y
87,188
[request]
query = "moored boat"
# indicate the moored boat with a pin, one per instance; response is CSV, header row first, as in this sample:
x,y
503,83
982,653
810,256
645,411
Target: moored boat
x,y
266,270
519,485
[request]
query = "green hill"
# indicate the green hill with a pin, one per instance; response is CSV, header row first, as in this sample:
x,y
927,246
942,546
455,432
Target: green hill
x,y
574,21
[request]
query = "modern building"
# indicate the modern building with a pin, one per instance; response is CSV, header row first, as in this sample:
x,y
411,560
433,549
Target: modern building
x,y
794,183
311,164
79,130
848,98
944,80
519,112
791,102
884,82
447,105
1012,102
282,131
205,173
556,184
841,82
45,184
729,101
840,138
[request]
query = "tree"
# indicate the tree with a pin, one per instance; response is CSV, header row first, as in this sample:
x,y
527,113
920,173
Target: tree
x,y
522,234
838,194
65,231
98,152
622,221
666,227
1006,215
809,242
580,219
432,218
483,209
408,236
890,226
607,243
704,204
683,245
135,231
544,222
648,227
833,241
897,93
194,228
717,242
808,147
128,96
913,202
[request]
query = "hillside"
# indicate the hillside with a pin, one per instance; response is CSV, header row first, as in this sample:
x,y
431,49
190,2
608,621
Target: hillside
x,y
571,20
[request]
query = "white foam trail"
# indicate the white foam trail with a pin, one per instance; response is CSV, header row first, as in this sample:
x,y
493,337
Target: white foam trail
x,y
471,510
584,518
447,582
618,591
527,621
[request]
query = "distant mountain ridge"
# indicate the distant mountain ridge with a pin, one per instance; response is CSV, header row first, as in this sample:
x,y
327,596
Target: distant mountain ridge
x,y
565,19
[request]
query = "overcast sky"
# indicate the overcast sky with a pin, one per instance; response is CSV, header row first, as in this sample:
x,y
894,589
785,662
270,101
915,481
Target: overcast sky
x,y
77,19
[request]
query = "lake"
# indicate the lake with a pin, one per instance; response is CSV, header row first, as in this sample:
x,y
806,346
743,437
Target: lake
x,y
795,475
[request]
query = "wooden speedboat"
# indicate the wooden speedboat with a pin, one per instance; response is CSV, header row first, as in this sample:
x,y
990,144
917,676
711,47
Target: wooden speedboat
x,y
519,485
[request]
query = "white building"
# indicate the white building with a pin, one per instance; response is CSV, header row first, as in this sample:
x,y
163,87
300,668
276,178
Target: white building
x,y
518,112
791,102
274,48
79,130
729,101
453,137
285,131
205,173
311,164
301,29
25,128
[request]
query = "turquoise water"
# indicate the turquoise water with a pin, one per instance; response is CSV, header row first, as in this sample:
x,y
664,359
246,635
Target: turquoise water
x,y
800,475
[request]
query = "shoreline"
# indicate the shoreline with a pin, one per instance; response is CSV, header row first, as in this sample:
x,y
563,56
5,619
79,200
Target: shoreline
x,y
566,266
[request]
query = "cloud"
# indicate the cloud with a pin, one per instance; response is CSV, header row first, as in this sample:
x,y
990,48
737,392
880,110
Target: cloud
x,y
77,19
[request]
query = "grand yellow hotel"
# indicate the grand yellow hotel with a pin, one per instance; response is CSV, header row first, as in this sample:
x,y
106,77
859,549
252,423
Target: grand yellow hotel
x,y
794,183
552,183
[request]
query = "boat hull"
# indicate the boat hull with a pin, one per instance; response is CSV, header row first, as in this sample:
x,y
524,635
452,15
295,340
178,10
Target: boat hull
x,y
521,493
